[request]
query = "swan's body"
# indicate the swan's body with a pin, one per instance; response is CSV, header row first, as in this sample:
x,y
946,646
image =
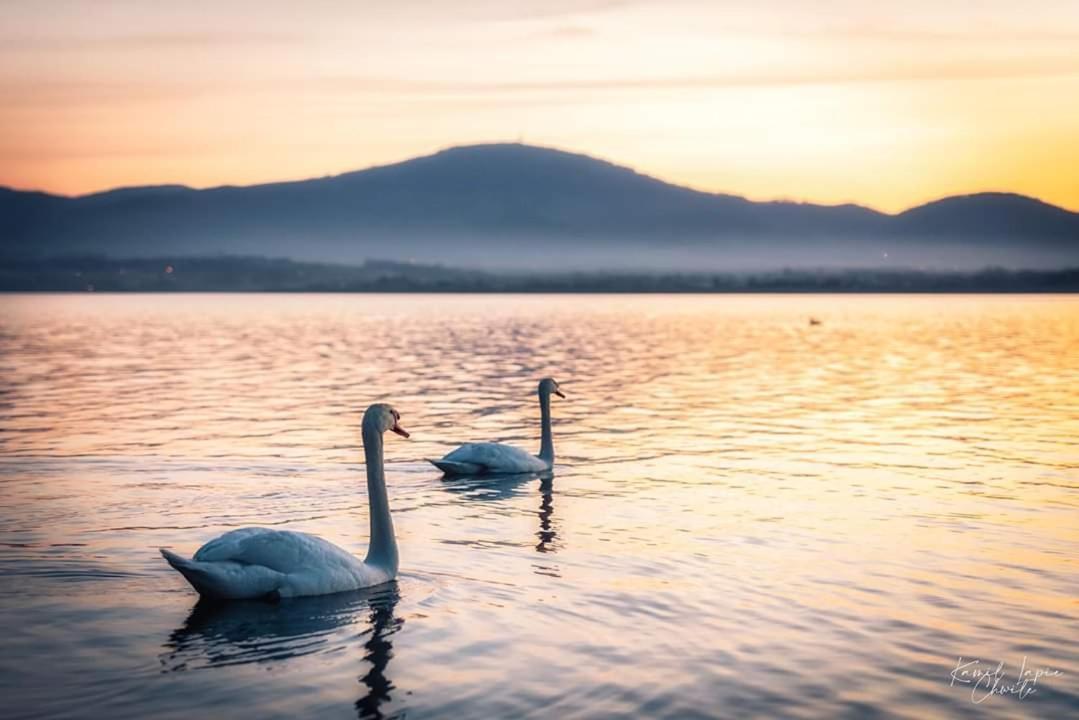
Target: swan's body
x,y
258,562
491,457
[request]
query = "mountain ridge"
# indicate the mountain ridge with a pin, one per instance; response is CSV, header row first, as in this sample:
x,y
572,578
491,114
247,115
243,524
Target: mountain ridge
x,y
482,146
485,146
511,205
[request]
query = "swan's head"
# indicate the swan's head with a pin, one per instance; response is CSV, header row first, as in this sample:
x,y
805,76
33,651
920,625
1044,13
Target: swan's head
x,y
382,417
548,386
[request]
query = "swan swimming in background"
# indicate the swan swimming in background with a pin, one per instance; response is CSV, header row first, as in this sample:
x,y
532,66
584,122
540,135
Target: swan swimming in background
x,y
490,457
258,562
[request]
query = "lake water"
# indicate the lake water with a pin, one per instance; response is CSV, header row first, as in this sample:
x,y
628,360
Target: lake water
x,y
750,516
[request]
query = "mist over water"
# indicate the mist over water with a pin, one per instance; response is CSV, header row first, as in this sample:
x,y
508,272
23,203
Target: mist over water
x,y
749,516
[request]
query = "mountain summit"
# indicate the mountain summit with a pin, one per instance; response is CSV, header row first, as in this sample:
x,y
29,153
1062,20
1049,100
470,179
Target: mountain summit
x,y
524,207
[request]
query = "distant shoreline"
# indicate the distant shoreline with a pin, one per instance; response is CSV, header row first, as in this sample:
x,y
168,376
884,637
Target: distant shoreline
x,y
538,292
242,274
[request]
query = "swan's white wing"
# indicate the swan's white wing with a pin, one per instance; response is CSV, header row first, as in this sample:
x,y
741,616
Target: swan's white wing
x,y
496,458
283,551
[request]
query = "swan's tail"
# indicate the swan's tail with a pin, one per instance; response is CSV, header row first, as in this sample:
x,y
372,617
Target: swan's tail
x,y
225,580
450,467
196,573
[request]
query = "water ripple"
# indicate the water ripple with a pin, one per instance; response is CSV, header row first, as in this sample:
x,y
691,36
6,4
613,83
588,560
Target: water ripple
x,y
749,516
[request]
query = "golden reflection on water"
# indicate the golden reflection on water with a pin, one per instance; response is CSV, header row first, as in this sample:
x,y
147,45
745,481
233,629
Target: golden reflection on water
x,y
748,511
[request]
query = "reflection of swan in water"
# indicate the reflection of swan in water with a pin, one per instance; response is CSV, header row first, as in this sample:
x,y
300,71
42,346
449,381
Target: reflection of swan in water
x,y
256,562
506,486
547,534
493,486
378,651
238,633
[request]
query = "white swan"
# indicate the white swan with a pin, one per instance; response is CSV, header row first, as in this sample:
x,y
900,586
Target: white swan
x,y
484,458
258,562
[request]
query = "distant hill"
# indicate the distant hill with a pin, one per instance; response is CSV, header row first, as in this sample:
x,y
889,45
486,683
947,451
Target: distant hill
x,y
529,208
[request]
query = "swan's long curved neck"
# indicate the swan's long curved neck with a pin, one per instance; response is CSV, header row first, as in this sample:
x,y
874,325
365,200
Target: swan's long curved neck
x,y
382,552
546,452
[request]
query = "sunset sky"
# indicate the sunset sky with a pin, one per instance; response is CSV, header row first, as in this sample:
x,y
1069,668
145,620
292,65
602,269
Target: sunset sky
x,y
885,104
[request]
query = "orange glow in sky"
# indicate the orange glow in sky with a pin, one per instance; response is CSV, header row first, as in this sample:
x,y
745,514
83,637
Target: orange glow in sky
x,y
832,101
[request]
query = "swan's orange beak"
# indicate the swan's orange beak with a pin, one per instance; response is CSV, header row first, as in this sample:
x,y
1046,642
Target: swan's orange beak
x,y
399,430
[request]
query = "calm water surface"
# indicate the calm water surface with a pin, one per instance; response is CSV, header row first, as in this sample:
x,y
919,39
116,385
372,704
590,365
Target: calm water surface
x,y
750,516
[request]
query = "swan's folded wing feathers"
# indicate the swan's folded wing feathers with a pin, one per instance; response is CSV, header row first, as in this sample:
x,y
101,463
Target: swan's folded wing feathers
x,y
282,550
496,457
229,546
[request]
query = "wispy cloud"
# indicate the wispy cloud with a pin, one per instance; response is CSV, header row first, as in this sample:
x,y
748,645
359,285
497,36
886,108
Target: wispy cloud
x,y
57,93
150,41
566,31
936,72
